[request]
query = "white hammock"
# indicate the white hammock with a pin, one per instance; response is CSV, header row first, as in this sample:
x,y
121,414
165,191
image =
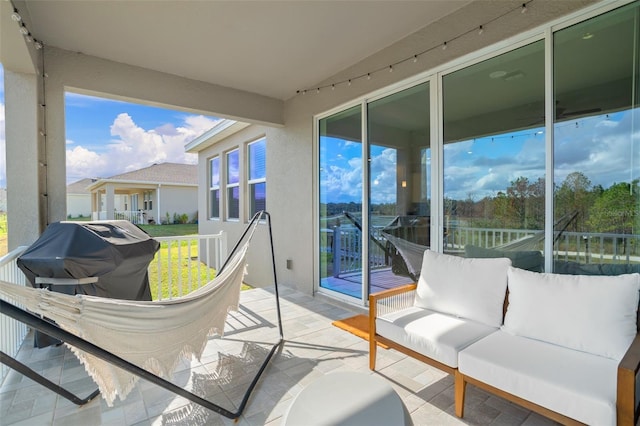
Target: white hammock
x,y
411,253
154,335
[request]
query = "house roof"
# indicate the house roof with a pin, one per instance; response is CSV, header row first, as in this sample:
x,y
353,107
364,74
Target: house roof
x,y
80,186
163,173
220,131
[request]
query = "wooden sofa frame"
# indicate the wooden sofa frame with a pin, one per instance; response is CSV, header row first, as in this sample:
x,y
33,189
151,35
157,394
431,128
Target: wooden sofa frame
x,y
628,370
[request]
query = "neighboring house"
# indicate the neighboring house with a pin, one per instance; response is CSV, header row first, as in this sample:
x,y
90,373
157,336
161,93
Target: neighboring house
x,y
161,193
79,198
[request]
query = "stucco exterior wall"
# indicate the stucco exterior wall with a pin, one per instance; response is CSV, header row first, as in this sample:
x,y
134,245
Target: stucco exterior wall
x,y
78,204
178,200
259,270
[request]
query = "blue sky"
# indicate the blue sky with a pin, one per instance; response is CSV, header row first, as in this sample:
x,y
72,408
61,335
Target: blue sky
x,y
106,137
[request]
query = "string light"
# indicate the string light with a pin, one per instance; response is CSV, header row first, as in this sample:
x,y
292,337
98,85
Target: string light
x,y
477,30
16,16
25,31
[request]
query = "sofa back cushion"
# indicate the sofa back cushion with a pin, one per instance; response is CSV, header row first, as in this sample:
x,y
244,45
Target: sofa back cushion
x,y
467,288
594,314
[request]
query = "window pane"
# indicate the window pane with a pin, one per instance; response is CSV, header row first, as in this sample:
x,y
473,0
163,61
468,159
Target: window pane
x,y
340,148
494,158
258,197
399,211
233,203
215,172
233,170
257,160
596,145
215,204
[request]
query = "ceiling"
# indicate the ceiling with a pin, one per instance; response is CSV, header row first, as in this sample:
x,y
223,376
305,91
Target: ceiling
x,y
271,48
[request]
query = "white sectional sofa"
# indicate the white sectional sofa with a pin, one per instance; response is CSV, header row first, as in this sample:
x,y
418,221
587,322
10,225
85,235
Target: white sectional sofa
x,y
566,346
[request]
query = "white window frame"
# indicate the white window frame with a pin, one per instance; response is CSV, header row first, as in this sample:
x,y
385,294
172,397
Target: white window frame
x,y
229,185
251,182
213,188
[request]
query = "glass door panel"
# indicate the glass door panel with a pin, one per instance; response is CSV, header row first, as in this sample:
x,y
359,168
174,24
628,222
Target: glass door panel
x,y
340,193
399,186
597,145
494,158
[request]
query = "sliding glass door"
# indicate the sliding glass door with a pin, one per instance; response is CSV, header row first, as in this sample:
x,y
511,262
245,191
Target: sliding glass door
x,y
399,186
494,158
537,159
597,144
340,202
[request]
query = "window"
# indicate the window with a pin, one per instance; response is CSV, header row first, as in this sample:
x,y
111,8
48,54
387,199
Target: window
x,y
214,188
257,176
148,201
233,184
494,157
596,168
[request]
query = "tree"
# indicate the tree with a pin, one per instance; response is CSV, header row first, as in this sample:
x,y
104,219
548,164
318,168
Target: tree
x,y
574,194
616,209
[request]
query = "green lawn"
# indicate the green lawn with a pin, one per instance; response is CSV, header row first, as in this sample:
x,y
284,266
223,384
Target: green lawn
x,y
171,230
3,234
183,260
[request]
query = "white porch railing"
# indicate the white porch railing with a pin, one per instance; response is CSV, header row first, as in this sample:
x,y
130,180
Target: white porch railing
x,y
138,217
345,246
185,263
12,332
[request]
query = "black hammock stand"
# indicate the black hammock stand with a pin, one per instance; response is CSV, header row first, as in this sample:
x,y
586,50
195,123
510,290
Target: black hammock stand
x,y
53,330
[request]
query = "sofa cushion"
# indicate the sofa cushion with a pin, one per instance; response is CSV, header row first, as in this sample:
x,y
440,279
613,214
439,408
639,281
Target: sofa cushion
x,y
433,334
576,384
594,314
531,260
467,288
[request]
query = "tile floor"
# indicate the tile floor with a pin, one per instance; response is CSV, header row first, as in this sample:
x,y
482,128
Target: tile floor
x,y
313,348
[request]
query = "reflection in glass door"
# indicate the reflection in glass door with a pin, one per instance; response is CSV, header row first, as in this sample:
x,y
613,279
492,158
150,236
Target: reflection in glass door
x,y
494,158
596,145
399,192
340,202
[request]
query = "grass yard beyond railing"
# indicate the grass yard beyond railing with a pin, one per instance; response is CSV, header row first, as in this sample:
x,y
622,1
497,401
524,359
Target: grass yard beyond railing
x,y
177,270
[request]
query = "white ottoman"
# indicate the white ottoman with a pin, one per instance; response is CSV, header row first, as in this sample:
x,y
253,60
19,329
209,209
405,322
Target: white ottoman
x,y
347,398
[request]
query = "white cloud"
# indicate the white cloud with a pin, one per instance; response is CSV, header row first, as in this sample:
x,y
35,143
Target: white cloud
x,y
134,147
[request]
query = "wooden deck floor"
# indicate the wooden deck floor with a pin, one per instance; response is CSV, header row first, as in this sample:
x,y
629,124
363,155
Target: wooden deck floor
x,y
381,279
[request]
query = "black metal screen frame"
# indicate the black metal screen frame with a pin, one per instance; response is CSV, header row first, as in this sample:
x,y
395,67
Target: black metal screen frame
x,y
53,330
